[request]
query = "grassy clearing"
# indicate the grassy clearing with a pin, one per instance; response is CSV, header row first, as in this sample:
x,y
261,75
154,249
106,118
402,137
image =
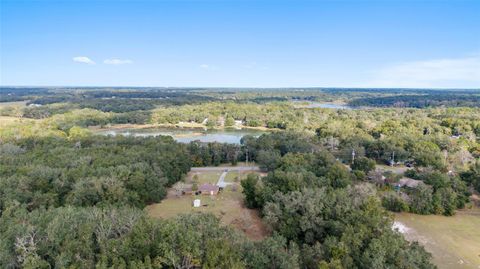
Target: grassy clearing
x,y
5,120
13,104
12,109
453,241
236,176
395,169
233,176
227,206
204,177
221,205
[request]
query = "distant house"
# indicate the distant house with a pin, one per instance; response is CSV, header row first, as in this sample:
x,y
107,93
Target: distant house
x,y
408,182
205,189
208,189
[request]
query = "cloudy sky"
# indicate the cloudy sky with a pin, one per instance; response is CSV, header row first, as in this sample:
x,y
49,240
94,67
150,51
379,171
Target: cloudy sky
x,y
235,43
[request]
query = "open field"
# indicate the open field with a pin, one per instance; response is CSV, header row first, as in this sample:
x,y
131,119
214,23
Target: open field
x,y
227,205
234,176
453,241
237,176
13,104
5,120
395,169
11,109
204,177
8,120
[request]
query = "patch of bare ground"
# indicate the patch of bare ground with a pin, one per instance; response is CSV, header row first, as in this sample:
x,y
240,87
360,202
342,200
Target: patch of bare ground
x,y
475,199
251,224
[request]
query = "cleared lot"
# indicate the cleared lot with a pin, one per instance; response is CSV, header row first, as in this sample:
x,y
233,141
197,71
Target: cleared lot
x,y
453,241
228,205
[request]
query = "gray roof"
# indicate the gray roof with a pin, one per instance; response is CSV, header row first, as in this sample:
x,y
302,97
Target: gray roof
x,y
408,182
207,187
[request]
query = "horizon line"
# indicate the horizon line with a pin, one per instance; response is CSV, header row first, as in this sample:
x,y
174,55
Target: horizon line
x,y
233,87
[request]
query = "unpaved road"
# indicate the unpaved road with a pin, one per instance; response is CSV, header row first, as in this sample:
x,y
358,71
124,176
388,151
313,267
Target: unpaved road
x,y
221,181
225,168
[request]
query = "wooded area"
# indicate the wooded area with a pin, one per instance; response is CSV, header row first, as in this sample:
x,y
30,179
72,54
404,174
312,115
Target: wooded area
x,y
70,198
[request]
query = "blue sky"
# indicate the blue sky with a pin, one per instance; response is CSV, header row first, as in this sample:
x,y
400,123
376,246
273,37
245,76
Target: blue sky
x,y
241,43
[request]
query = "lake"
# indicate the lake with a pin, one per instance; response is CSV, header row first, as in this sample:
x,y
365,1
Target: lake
x,y
187,135
312,104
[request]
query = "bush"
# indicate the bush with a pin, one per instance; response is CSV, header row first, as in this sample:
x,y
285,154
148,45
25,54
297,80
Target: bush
x,y
393,202
363,164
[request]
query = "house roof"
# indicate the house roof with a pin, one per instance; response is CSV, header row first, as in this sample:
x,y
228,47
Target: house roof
x,y
409,182
207,187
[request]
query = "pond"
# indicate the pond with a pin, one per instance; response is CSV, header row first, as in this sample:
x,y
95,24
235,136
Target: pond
x,y
312,104
187,135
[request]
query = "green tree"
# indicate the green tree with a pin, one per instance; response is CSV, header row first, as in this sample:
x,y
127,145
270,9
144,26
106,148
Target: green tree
x,y
249,186
363,164
229,121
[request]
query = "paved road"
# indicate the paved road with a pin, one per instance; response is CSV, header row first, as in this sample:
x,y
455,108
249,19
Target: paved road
x,y
225,168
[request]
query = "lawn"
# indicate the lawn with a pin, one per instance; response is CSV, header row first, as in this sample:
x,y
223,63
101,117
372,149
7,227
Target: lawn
x,y
232,176
4,120
219,205
204,177
227,206
453,241
13,104
396,169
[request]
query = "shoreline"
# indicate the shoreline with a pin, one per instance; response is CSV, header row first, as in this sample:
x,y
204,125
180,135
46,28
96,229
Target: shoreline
x,y
98,128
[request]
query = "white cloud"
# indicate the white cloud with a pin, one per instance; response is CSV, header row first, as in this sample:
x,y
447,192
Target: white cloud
x,y
204,66
83,59
117,61
437,73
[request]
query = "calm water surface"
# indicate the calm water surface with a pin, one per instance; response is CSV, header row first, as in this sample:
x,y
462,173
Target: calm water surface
x,y
186,135
311,104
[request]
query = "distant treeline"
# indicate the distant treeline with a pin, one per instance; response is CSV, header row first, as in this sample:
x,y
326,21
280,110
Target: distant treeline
x,y
446,99
120,99
115,101
20,94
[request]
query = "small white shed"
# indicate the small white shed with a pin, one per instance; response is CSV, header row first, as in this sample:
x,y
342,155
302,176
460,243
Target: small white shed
x,y
196,203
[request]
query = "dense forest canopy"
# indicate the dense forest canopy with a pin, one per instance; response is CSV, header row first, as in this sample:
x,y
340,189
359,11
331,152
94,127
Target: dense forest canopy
x,y
70,198
52,181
